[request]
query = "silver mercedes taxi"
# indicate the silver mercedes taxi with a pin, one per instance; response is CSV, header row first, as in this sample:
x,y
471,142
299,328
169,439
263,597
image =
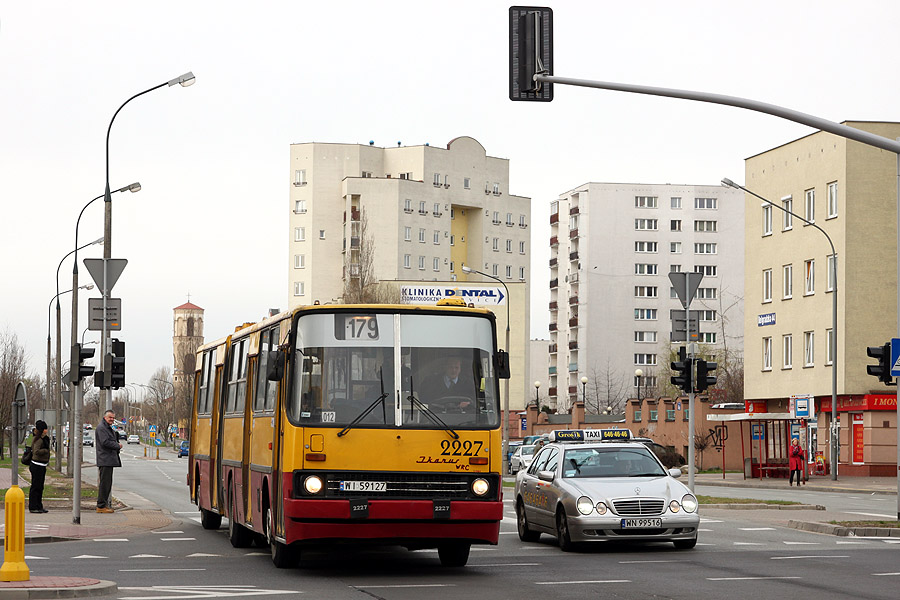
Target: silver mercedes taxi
x,y
596,485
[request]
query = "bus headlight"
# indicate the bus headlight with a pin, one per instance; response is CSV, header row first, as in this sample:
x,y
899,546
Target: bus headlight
x,y
585,505
689,503
312,484
674,506
480,487
601,508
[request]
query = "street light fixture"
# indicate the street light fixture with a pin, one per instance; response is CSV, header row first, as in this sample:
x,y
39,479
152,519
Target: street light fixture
x,y
638,373
184,80
584,381
467,269
834,326
537,396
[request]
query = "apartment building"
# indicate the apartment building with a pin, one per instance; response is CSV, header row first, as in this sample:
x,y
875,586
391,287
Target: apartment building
x,y
848,190
611,301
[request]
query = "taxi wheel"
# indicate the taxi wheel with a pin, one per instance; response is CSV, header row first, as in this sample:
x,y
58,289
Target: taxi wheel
x,y
685,544
562,531
525,534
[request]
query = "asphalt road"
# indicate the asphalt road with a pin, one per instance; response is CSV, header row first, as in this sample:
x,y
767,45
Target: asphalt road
x,y
741,554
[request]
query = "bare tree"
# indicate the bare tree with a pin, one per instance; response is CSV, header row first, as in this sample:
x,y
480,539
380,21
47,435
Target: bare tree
x,y
13,368
608,388
158,405
360,284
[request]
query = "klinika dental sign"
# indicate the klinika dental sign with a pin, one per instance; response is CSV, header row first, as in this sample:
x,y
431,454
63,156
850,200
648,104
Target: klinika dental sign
x,y
474,294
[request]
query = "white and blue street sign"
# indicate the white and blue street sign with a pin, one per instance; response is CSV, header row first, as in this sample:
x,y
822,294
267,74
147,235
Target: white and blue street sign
x,y
895,357
157,441
153,428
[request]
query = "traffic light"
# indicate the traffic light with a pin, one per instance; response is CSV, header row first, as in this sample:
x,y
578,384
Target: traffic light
x,y
883,369
77,369
704,379
117,368
683,369
530,52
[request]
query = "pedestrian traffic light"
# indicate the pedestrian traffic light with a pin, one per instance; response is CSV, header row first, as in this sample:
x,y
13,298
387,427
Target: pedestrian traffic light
x,y
704,379
77,369
530,52
682,369
117,368
883,369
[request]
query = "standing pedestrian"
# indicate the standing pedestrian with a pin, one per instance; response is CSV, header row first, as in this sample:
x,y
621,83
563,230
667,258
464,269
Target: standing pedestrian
x,y
107,449
796,458
40,458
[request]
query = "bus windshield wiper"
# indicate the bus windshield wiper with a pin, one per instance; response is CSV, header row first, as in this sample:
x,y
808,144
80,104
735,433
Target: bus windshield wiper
x,y
415,402
370,408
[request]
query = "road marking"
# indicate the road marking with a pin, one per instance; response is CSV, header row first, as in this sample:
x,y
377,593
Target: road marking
x,y
205,591
641,562
702,520
757,528
409,585
748,544
582,582
508,533
749,578
704,530
169,532
88,556
508,520
110,539
264,553
509,565
200,554
704,544
884,574
891,541
849,512
155,570
36,557
802,543
809,556
843,542
177,539
147,556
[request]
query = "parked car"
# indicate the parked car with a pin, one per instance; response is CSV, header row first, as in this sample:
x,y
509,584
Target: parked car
x,y
184,448
133,439
121,434
87,439
521,458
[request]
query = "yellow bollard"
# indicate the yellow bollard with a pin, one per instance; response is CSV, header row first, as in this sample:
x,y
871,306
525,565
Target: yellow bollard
x,y
14,567
145,451
157,454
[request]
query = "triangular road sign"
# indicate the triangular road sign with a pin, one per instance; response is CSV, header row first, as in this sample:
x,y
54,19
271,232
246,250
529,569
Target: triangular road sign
x,y
114,268
685,285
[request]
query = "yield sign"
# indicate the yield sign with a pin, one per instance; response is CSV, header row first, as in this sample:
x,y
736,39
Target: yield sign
x,y
114,268
685,285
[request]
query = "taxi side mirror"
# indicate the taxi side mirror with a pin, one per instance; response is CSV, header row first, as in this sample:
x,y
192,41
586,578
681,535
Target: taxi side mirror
x,y
546,475
675,472
276,360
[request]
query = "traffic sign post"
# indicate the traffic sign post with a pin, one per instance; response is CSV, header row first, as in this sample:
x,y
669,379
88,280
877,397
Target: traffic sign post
x,y
895,357
113,314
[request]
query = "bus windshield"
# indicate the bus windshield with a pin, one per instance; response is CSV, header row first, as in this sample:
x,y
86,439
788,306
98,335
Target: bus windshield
x,y
373,369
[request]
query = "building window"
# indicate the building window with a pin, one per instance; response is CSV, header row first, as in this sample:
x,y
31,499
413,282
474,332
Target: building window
x,y
406,261
809,205
707,270
645,201
706,203
675,247
509,246
705,248
522,273
496,189
767,285
832,200
573,222
645,314
809,338
436,264
675,225
509,220
496,219
706,226
494,270
646,224
829,346
829,274
675,202
407,234
554,208
646,291
522,222
645,359
647,247
300,206
653,415
437,237
509,271
809,280
637,415
321,234
367,174
645,269
674,268
787,217
422,235
670,413
767,354
521,247
672,293
299,288
707,338
437,210
767,219
299,234
466,183
645,336
421,263
446,181
300,177
496,244
437,180
407,206
299,261
707,315
787,350
787,282
422,210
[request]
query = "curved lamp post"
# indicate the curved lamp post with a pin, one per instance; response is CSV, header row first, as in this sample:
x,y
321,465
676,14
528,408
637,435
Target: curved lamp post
x,y
584,381
467,269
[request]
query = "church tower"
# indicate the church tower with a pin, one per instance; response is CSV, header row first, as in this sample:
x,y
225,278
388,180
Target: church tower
x,y
187,337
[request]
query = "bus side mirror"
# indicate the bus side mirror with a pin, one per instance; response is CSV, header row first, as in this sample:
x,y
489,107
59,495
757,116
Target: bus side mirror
x,y
501,364
276,365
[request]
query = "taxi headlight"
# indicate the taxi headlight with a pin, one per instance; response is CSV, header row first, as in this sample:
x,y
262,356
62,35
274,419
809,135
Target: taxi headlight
x,y
601,508
585,505
480,487
689,503
674,506
312,484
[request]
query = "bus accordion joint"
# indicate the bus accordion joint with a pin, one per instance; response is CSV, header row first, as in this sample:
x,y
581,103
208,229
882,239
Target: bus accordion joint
x,y
478,460
315,456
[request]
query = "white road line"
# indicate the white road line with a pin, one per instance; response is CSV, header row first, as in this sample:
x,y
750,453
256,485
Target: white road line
x,y
110,539
169,532
154,570
200,554
509,565
850,512
757,528
702,520
582,582
849,542
88,556
27,557
177,539
641,562
809,556
508,533
409,585
705,530
802,543
748,578
147,556
891,541
748,544
509,520
703,544
884,574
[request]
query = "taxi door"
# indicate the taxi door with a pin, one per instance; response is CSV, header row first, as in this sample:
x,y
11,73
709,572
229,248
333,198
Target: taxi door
x,y
538,509
552,490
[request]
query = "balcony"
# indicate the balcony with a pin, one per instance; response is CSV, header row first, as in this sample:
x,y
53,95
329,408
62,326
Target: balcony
x,y
573,322
573,210
554,305
552,326
573,345
552,351
554,218
354,242
423,212
554,283
573,389
573,300
551,371
553,262
573,233
554,240
354,270
551,391
573,255
354,214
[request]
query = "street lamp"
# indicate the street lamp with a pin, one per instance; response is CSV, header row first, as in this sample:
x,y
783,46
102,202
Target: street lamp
x,y
467,269
537,396
834,331
584,381
184,80
638,374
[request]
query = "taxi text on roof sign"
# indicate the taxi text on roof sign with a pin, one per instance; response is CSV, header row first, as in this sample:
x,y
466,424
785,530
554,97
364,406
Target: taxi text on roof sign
x,y
586,435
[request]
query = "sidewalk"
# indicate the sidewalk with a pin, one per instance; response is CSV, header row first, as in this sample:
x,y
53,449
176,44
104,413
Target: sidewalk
x,y
859,485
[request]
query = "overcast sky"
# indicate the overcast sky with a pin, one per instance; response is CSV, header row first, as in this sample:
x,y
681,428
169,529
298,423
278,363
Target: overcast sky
x,y
212,218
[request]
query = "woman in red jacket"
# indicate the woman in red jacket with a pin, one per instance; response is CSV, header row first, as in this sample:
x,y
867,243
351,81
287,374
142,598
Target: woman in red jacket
x,y
796,459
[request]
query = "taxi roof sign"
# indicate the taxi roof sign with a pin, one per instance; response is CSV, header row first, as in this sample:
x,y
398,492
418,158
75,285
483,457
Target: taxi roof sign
x,y
589,435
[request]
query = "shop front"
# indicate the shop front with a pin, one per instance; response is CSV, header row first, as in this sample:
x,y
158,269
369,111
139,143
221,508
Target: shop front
x,y
868,433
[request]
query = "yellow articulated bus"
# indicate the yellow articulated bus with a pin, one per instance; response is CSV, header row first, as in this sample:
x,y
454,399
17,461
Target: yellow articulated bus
x,y
352,423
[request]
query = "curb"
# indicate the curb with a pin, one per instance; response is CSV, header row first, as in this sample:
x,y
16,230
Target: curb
x,y
753,506
849,490
68,587
841,531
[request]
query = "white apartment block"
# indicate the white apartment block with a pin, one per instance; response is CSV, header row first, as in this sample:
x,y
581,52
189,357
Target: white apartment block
x,y
612,248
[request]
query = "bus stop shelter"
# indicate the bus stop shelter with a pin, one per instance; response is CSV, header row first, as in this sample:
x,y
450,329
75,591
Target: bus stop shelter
x,y
769,436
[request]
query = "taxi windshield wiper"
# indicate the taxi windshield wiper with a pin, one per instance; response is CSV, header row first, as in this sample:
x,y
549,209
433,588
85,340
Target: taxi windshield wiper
x,y
415,402
370,408
646,475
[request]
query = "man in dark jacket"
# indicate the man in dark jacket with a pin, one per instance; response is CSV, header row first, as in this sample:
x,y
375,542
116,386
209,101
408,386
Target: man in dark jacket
x,y
40,458
107,448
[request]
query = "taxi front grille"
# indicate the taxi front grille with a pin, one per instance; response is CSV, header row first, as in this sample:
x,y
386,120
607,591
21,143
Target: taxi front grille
x,y
451,486
639,507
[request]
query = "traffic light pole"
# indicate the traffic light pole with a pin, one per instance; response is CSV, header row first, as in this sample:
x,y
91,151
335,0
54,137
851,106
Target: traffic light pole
x,y
75,410
690,328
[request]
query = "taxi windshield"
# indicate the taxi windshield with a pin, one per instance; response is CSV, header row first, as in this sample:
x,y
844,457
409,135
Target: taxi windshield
x,y
611,462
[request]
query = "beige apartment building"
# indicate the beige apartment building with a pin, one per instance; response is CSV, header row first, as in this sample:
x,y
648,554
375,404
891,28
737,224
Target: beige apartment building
x,y
849,190
415,214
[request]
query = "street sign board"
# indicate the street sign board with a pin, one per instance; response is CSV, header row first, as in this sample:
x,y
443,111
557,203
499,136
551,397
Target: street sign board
x,y
680,326
802,407
114,268
895,357
686,285
113,314
153,429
